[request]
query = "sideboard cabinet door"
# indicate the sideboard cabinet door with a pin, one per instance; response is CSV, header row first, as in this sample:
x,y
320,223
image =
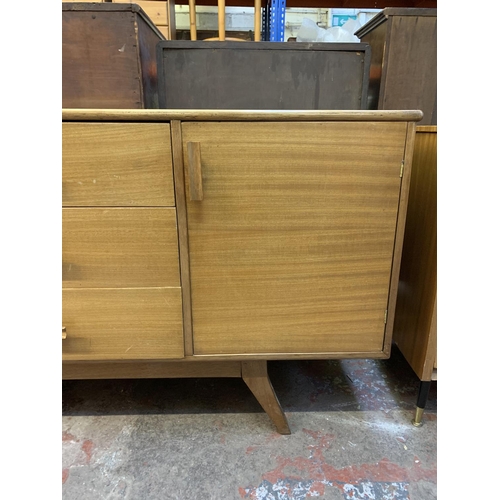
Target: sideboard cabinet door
x,y
291,232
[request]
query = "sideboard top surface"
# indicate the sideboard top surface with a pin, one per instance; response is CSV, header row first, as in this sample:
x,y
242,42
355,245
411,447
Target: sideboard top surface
x,y
238,115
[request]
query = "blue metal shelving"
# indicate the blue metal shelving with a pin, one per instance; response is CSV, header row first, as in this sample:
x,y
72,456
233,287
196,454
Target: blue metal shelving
x,y
277,21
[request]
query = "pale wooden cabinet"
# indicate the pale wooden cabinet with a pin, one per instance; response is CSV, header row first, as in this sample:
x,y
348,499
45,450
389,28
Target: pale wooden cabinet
x,y
204,243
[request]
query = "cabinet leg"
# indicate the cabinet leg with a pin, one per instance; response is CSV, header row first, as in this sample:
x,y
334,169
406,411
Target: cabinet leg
x,y
254,374
423,394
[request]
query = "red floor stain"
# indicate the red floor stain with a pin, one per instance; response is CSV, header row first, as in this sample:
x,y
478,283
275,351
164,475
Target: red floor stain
x,y
317,469
87,448
65,475
271,437
66,436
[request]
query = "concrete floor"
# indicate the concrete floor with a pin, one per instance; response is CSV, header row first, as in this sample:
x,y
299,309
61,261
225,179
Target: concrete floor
x,y
352,436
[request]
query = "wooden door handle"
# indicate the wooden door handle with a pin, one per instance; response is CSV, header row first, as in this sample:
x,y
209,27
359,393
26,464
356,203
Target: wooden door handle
x,y
63,332
194,166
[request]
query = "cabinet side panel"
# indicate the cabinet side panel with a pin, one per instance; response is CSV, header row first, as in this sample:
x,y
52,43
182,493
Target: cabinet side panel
x,y
415,306
377,41
411,72
100,63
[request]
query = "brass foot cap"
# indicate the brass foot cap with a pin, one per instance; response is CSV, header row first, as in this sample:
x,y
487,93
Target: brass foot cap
x,y
417,424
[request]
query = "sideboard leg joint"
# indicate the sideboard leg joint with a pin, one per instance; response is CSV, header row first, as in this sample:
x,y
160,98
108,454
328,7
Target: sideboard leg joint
x,y
254,373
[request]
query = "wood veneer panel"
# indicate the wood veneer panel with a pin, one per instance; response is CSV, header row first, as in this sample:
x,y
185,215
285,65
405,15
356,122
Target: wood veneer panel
x,y
119,247
117,164
291,249
122,323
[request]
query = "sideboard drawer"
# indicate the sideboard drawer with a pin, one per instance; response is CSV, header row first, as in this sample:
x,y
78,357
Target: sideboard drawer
x,y
122,324
120,247
117,164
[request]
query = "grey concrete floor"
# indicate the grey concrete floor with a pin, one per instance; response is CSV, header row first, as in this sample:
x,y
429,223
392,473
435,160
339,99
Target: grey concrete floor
x,y
167,439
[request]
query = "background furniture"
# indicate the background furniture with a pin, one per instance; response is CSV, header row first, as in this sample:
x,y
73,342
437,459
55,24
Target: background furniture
x,y
415,325
403,73
161,13
108,56
264,75
194,246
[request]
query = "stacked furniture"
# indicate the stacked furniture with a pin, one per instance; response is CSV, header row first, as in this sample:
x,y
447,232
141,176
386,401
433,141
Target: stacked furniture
x,y
108,56
403,73
263,75
204,243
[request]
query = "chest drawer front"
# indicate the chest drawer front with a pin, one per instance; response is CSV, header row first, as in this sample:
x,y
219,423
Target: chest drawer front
x,y
120,247
128,324
117,164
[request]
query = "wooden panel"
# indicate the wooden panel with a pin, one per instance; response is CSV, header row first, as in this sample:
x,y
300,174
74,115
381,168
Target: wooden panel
x,y
415,321
102,47
291,248
148,39
117,164
165,31
100,63
102,115
170,369
180,197
155,10
411,80
404,60
264,75
119,247
377,40
130,323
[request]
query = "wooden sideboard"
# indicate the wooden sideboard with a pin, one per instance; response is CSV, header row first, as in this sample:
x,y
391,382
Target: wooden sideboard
x,y
204,243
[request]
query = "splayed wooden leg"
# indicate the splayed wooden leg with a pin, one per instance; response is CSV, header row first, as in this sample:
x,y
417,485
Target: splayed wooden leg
x,y
254,374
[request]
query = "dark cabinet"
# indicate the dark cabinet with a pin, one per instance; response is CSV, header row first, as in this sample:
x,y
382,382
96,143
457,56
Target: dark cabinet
x,y
403,68
108,56
263,75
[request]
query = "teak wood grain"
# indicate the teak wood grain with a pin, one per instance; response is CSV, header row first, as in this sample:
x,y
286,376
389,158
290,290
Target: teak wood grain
x,y
415,329
254,374
117,164
142,115
180,202
122,323
119,247
291,249
157,369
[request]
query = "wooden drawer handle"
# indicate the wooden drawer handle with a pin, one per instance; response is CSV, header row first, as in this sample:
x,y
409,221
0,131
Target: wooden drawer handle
x,y
194,167
63,332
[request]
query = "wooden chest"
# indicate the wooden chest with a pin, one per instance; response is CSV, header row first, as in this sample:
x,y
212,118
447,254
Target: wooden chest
x,y
108,56
403,72
264,75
